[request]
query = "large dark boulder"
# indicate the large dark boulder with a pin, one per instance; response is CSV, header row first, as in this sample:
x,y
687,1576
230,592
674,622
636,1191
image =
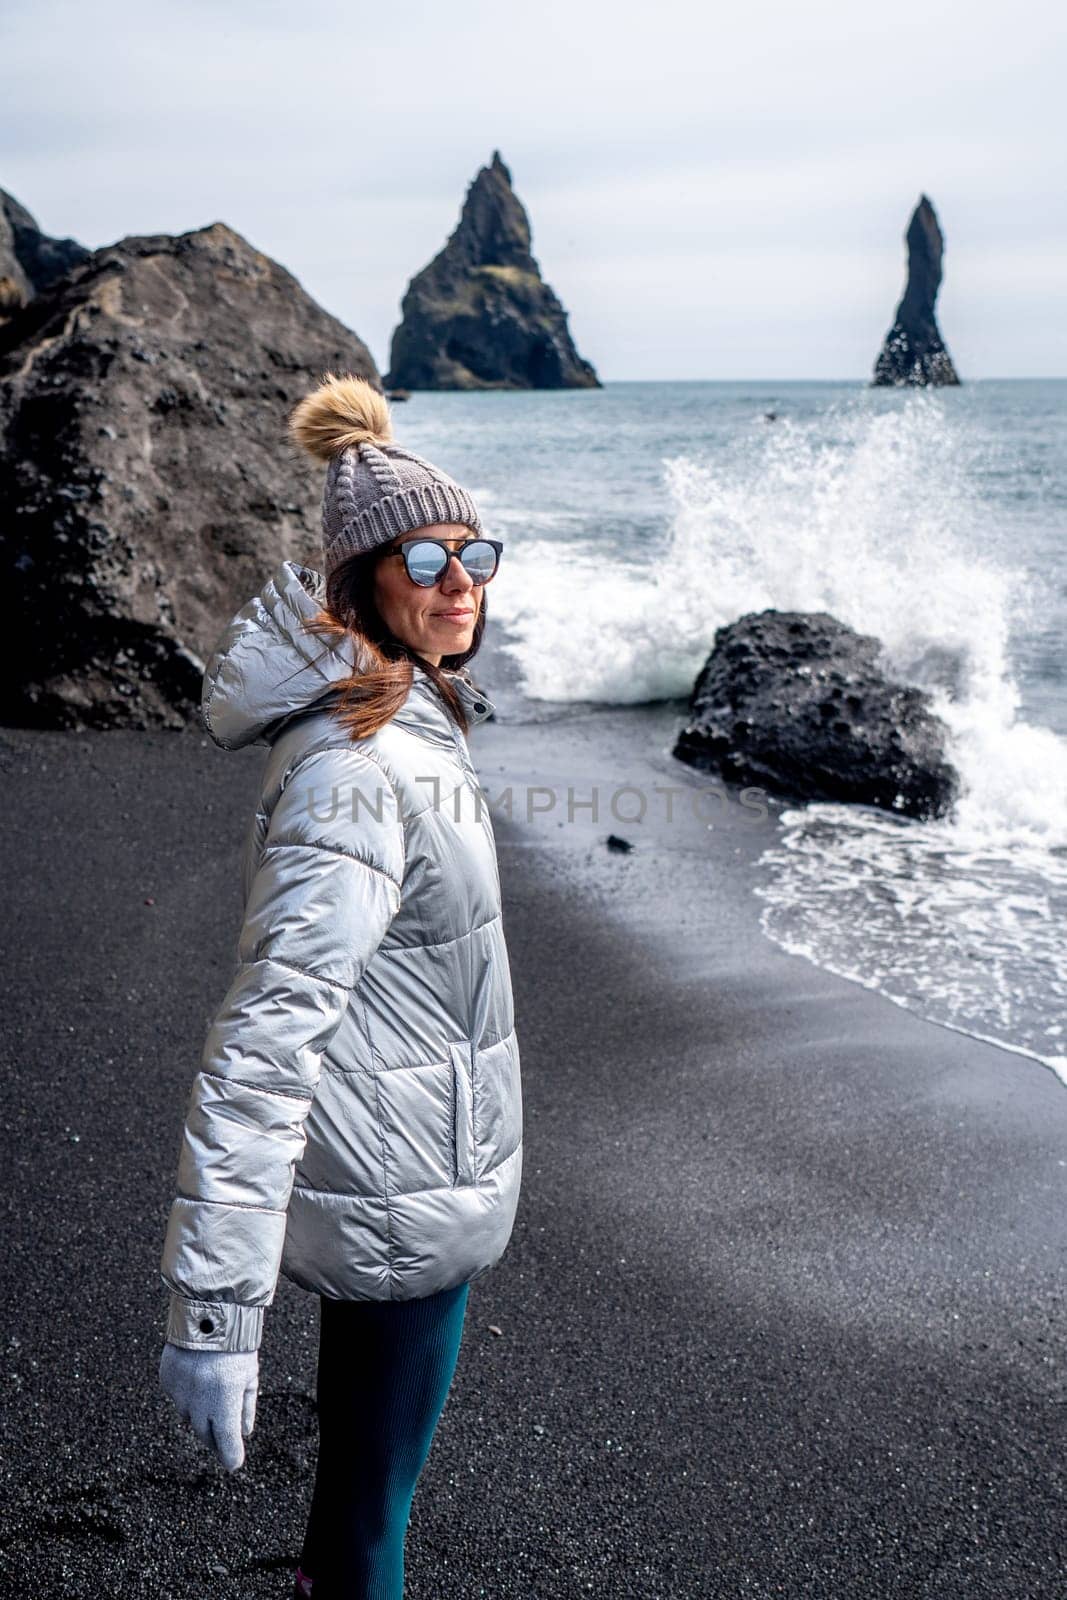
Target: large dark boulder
x,y
480,316
914,352
146,481
795,702
29,259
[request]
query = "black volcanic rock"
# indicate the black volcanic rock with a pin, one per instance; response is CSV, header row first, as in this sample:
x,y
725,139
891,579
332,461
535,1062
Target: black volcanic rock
x,y
29,259
914,352
480,315
795,702
147,485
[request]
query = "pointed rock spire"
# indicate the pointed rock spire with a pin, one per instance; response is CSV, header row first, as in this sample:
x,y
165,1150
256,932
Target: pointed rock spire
x,y
480,316
914,352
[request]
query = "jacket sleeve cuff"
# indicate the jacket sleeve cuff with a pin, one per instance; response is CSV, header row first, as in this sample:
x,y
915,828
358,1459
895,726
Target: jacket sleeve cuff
x,y
211,1325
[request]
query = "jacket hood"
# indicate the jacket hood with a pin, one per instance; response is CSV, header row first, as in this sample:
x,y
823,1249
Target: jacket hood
x,y
267,668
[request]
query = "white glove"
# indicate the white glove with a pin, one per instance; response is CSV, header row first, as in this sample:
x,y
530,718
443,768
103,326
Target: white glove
x,y
216,1391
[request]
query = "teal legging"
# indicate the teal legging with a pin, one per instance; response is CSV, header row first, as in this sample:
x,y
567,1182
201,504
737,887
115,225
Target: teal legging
x,y
385,1368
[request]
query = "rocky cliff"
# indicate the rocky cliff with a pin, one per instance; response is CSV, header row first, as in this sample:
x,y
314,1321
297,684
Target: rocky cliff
x,y
29,259
147,486
480,316
914,352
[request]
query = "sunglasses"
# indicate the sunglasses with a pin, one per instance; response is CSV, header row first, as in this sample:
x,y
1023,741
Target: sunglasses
x,y
427,560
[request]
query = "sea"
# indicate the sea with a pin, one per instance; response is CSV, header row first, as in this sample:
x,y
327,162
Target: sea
x,y
639,518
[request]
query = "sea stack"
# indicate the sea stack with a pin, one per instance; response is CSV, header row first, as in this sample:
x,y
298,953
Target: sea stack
x,y
914,352
480,316
147,485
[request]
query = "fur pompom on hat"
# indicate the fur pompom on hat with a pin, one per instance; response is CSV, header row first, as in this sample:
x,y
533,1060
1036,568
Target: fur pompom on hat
x,y
375,490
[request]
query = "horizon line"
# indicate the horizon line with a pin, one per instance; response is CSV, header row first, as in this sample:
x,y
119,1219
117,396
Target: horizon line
x,y
864,383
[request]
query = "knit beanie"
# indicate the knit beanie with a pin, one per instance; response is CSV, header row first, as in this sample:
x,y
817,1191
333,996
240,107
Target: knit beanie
x,y
374,490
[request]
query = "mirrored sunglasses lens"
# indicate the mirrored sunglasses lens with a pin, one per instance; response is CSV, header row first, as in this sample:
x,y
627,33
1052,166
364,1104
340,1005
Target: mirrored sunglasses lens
x,y
425,561
479,559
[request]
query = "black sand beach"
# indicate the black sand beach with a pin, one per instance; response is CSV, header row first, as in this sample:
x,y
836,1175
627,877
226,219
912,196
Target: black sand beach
x,y
782,1314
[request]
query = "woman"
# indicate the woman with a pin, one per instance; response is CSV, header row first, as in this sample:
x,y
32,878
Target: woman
x,y
356,1122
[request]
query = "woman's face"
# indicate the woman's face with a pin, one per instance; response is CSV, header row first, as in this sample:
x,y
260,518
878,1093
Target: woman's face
x,y
436,622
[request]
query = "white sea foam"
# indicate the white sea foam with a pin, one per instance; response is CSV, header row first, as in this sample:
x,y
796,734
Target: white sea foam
x,y
873,513
870,515
969,934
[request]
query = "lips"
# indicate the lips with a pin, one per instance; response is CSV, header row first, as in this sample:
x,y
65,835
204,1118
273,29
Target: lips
x,y
454,616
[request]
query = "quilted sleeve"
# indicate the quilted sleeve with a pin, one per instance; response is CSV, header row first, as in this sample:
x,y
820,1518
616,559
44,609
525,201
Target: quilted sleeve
x,y
326,888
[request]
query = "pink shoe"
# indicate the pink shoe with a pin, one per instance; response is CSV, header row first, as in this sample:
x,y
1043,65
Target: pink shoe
x,y
302,1587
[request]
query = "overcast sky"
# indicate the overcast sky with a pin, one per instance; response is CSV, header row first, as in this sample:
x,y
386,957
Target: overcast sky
x,y
715,192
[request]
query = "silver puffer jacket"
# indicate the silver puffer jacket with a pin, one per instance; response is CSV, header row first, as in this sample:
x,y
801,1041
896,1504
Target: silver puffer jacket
x,y
356,1122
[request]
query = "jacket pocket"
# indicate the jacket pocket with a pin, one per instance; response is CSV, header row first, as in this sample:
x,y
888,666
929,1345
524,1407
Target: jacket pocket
x,y
462,1056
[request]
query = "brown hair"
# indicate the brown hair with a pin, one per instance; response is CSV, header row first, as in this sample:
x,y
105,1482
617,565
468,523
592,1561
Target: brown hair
x,y
385,672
